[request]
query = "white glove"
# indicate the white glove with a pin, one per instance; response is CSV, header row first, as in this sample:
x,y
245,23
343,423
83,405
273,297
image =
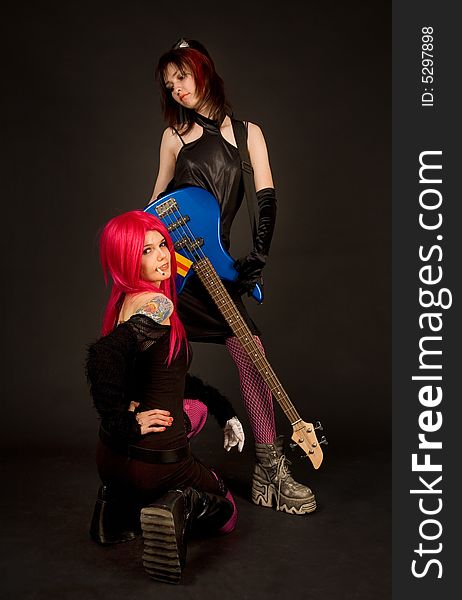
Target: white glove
x,y
234,434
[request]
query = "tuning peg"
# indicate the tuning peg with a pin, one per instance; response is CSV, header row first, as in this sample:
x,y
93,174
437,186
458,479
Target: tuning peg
x,y
324,441
318,426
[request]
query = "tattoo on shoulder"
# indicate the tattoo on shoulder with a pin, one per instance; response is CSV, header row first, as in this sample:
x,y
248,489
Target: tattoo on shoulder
x,y
158,309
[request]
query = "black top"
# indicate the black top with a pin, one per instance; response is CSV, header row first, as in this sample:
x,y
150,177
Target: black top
x,y
158,385
129,364
212,163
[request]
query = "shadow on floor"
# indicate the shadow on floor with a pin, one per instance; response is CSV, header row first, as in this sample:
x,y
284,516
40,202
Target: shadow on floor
x,y
340,552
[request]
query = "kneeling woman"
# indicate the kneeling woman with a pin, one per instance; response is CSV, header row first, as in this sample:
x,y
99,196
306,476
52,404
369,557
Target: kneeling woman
x,y
141,361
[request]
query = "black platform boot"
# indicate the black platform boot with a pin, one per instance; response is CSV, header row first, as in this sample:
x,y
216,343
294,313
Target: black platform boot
x,y
272,482
167,523
115,519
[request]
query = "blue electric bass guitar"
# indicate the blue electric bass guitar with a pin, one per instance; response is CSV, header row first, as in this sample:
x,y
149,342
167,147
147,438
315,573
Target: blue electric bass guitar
x,y
192,217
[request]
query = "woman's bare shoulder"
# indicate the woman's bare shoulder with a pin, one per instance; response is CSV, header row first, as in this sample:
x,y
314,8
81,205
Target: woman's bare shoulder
x,y
169,136
151,304
155,306
138,300
254,131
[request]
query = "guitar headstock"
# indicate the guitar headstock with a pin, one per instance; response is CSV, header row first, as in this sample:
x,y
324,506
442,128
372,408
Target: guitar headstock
x,y
305,436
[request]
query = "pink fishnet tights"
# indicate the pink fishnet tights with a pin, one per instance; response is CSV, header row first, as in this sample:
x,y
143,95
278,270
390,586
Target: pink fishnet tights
x,y
257,397
197,413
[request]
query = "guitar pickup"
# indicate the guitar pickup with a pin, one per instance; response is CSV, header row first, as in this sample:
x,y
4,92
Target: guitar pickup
x,y
167,208
189,244
178,223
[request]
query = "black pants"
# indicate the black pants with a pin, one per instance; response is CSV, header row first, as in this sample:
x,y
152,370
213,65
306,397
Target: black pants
x,y
149,481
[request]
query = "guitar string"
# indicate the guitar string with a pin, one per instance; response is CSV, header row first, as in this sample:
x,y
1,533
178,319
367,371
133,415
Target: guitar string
x,y
196,251
290,411
199,254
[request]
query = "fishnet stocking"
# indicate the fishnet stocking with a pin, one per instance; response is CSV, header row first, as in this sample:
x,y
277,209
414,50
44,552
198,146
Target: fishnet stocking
x,y
257,397
197,413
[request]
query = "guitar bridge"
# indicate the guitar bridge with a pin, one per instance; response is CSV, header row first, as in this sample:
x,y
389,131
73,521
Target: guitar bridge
x,y
167,208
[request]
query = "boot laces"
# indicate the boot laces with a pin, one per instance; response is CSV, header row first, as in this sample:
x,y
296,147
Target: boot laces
x,y
282,473
282,467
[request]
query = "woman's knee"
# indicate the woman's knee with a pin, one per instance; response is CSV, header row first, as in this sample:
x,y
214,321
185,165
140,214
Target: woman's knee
x,y
197,414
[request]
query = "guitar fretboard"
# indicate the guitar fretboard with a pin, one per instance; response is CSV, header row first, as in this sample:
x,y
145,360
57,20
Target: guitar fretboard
x,y
239,327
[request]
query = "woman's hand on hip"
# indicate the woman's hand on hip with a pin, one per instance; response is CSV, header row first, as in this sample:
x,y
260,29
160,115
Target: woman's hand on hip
x,y
151,421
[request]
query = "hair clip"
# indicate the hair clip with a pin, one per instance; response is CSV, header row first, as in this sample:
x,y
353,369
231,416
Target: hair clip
x,y
182,43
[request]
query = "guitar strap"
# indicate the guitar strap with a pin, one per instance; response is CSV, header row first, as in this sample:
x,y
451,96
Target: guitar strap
x,y
240,134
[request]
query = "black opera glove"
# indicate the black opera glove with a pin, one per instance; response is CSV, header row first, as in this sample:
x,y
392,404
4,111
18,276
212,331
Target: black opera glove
x,y
251,266
267,208
249,270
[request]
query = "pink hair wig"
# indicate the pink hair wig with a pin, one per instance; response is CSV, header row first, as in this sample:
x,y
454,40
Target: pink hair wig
x,y
121,249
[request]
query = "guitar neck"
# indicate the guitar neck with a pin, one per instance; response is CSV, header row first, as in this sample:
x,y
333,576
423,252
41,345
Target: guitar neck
x,y
209,277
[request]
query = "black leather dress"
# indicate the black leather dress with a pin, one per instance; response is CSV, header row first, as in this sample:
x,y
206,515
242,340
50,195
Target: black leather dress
x,y
212,163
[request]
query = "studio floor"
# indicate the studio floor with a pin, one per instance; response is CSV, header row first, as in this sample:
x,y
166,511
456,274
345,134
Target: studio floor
x,y
340,552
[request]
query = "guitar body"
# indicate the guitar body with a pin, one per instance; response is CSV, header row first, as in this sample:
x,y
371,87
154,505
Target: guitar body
x,y
202,212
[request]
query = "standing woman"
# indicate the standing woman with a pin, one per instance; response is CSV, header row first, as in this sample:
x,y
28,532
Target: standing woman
x,y
141,361
198,148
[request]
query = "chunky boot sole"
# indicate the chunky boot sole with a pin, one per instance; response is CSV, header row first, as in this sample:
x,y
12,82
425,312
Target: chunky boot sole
x,y
264,494
161,556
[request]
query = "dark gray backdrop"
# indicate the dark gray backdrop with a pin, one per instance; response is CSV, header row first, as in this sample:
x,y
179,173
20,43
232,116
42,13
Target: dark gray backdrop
x,y
83,126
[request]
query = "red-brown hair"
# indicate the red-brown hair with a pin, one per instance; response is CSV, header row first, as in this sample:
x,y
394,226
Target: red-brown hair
x,y
193,59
